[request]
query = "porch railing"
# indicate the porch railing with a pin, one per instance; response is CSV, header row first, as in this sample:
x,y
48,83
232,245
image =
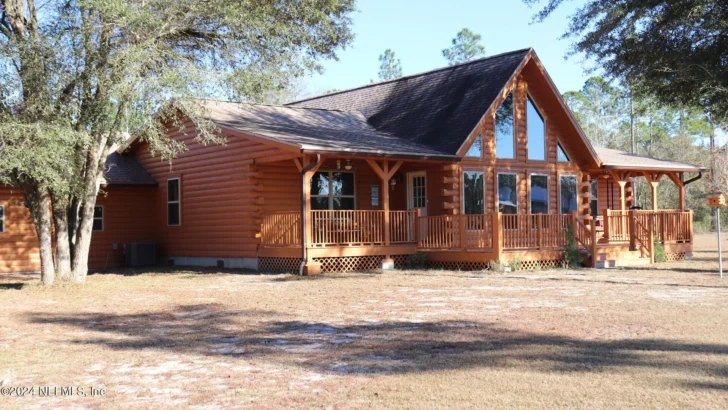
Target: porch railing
x,y
280,229
670,226
456,231
351,228
534,231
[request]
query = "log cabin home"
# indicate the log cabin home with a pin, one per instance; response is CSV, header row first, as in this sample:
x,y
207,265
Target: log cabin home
x,y
468,164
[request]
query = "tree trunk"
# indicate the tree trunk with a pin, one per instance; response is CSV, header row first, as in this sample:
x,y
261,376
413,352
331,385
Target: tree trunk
x,y
85,222
39,203
63,245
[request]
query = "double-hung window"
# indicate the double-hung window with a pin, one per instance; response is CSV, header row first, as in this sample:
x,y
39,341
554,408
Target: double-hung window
x,y
473,192
508,193
174,203
98,218
539,194
333,190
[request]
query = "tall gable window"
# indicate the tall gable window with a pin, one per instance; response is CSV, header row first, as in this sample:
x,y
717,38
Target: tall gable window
x,y
333,190
473,193
505,137
561,154
536,133
476,150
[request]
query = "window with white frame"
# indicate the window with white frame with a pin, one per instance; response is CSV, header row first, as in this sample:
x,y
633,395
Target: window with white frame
x,y
375,195
473,193
98,218
2,218
174,210
508,193
536,132
333,190
505,135
476,149
567,193
539,194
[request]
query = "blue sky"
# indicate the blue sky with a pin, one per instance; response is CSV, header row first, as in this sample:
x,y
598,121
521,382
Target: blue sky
x,y
418,30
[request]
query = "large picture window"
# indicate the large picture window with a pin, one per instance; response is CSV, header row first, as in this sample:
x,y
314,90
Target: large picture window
x,y
567,193
505,137
174,210
473,193
539,194
536,133
333,190
507,193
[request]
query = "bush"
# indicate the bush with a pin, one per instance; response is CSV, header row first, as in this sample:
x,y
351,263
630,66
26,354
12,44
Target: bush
x,y
572,255
495,266
516,264
659,250
417,261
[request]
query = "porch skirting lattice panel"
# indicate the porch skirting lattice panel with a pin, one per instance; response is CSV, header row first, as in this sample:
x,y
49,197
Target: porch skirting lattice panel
x,y
479,266
358,263
279,265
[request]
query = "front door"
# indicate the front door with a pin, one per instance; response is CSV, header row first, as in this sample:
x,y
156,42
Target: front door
x,y
417,192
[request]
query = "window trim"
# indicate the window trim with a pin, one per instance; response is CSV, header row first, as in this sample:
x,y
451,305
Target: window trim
x,y
497,189
371,194
3,228
411,186
331,195
178,201
103,213
495,128
462,189
545,131
530,191
596,197
561,147
576,178
479,137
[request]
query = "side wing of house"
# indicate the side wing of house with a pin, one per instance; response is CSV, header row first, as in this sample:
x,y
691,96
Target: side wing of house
x,y
210,198
18,241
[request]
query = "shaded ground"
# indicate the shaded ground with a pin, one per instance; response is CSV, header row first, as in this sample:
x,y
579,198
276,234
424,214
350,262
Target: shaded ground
x,y
648,337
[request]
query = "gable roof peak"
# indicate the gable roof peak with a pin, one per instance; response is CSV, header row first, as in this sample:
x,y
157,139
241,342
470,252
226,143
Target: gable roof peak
x,y
528,51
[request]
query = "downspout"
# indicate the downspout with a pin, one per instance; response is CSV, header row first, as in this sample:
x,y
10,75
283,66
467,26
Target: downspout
x,y
304,250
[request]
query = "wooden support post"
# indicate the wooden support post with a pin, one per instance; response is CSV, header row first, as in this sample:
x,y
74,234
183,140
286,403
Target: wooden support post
x,y
632,230
462,221
593,250
310,267
385,199
539,231
690,226
653,178
651,239
418,228
498,234
607,226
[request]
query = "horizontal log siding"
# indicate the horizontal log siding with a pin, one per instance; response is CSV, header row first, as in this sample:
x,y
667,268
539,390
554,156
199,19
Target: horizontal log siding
x,y
129,216
19,243
221,196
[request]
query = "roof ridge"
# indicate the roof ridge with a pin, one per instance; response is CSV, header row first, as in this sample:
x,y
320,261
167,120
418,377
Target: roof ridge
x,y
406,77
274,105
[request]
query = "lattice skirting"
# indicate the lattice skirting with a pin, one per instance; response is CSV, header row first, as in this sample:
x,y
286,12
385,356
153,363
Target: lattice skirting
x,y
675,256
477,266
358,263
279,265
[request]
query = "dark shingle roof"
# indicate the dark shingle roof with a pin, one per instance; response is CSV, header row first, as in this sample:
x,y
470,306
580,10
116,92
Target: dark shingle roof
x,y
438,108
312,129
125,170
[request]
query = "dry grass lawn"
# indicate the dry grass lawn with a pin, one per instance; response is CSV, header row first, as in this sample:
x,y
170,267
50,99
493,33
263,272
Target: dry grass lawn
x,y
647,337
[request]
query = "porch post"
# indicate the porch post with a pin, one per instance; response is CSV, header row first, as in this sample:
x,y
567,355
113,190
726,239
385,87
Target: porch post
x,y
497,234
385,173
653,178
679,180
308,169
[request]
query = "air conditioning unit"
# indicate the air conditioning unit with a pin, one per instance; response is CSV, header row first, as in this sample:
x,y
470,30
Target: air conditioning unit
x,y
140,254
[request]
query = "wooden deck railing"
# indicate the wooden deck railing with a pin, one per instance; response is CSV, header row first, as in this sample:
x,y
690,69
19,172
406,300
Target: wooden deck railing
x,y
280,229
402,226
456,231
534,231
616,226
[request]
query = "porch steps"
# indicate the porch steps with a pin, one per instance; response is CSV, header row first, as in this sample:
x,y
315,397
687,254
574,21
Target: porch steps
x,y
613,257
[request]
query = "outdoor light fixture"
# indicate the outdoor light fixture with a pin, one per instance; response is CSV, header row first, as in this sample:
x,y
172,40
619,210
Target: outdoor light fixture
x,y
348,165
338,164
